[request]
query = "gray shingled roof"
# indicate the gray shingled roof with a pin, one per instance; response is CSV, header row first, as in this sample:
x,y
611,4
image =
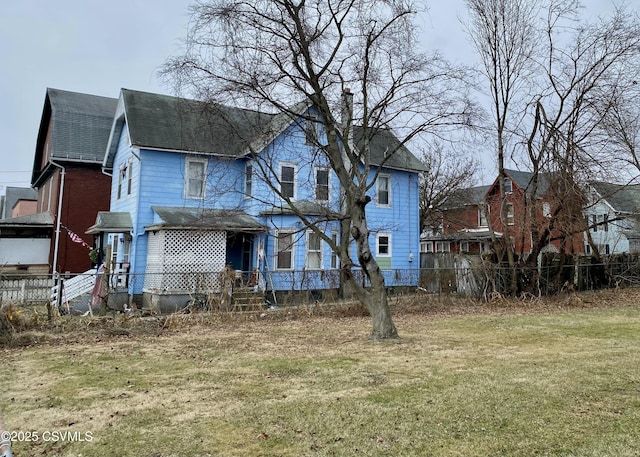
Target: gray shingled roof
x,y
382,143
306,207
523,180
111,222
80,125
164,122
623,198
40,219
203,218
15,194
170,123
467,196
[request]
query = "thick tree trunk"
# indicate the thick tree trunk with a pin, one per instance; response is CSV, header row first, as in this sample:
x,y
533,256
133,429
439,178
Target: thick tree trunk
x,y
375,297
378,306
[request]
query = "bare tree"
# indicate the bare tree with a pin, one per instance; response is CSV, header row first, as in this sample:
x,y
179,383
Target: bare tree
x,y
553,79
446,173
616,105
581,77
268,54
504,33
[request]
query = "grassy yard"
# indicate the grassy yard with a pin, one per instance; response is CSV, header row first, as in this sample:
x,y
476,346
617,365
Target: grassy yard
x,y
559,379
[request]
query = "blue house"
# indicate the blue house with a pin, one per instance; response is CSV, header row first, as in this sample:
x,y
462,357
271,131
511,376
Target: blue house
x,y
193,197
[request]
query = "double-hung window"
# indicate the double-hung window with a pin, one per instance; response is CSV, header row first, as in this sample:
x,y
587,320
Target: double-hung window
x,y
384,244
510,216
288,180
383,250
383,190
482,217
122,176
248,179
311,127
314,251
129,176
334,256
195,178
508,186
322,184
284,251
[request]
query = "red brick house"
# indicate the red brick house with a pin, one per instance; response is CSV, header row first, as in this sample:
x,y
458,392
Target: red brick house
x,y
67,171
472,220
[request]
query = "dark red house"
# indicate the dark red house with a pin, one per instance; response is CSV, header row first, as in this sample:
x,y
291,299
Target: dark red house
x,y
67,171
472,219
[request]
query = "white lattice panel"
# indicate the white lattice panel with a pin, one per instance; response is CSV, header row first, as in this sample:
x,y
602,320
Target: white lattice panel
x,y
187,260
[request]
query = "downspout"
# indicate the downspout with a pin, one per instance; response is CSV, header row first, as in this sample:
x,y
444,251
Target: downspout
x,y
58,216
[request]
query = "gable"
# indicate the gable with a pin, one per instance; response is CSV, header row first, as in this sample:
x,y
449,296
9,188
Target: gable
x,y
523,180
622,198
78,125
171,123
386,150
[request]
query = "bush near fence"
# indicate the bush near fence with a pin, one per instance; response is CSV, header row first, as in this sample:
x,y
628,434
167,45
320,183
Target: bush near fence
x,y
442,274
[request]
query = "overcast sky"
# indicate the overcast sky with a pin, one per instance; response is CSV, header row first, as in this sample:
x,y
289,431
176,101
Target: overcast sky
x,y
100,47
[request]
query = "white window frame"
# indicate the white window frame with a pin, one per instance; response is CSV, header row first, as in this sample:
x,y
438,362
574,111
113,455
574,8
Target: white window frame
x,y
389,244
277,251
440,246
546,209
317,186
295,178
248,179
188,178
318,252
482,218
510,213
386,176
508,185
122,177
311,129
129,176
335,260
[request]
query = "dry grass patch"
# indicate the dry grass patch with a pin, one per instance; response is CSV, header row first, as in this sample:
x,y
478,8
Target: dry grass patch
x,y
535,378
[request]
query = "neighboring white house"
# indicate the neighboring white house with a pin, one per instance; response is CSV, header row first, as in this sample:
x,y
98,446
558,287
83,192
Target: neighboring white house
x,y
24,244
613,218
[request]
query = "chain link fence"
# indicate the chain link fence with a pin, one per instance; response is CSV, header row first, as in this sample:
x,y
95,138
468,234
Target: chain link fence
x,y
470,276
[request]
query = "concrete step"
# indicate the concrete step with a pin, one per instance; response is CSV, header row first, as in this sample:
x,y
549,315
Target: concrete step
x,y
247,299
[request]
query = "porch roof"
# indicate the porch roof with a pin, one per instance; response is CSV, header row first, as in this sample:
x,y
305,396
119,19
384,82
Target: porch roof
x,y
481,234
33,220
111,222
305,207
180,218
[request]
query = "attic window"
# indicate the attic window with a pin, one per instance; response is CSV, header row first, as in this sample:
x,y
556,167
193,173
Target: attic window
x,y
508,186
122,177
311,129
